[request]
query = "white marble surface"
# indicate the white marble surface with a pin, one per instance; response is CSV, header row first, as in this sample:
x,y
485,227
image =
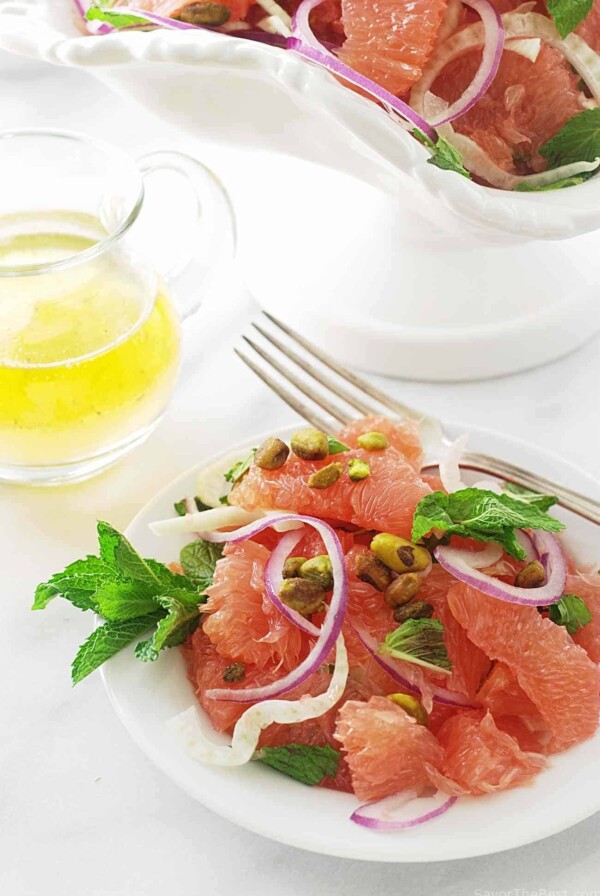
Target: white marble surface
x,y
82,812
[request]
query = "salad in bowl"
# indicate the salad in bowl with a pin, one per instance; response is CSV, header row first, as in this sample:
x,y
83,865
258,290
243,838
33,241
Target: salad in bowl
x,y
499,91
358,624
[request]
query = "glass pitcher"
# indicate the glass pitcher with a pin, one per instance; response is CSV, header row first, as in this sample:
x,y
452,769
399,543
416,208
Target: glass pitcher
x,y
92,292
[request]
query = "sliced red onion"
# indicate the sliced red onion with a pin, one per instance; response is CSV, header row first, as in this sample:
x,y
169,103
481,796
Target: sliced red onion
x,y
379,816
328,632
550,553
526,542
274,578
493,46
440,695
304,42
491,553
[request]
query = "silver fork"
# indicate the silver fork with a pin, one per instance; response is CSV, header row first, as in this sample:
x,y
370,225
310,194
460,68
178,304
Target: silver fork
x,y
290,360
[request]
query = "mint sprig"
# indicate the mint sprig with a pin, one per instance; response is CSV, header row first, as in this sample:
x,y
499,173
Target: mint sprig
x,y
133,594
577,141
418,641
236,472
115,18
482,515
443,154
542,502
570,611
568,14
198,560
302,762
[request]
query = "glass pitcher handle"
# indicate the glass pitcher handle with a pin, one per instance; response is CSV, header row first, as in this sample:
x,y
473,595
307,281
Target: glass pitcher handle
x,y
191,256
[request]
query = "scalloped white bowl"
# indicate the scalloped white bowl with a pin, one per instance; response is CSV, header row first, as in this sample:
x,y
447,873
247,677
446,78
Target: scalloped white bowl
x,y
429,276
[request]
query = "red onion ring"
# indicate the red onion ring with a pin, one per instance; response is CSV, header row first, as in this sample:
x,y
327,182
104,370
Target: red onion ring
x,y
306,44
550,553
274,578
372,815
493,47
440,695
329,631
491,553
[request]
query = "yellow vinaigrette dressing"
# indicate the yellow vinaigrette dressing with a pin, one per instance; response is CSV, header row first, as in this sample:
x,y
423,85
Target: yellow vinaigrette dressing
x,y
89,352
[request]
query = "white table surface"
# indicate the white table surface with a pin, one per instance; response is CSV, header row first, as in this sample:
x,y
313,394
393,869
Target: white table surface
x,y
82,811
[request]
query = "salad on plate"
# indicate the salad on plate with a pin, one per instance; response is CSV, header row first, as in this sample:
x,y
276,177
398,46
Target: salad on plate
x,y
358,624
503,92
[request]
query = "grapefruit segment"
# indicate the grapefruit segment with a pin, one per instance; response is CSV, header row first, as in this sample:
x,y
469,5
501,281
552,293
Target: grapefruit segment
x,y
386,500
403,435
526,104
241,621
556,674
587,587
391,40
480,758
386,749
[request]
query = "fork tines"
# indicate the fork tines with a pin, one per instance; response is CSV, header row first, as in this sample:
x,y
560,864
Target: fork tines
x,y
293,367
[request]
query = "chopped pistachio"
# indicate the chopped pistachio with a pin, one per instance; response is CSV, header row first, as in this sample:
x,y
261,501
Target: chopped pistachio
x,y
402,589
531,576
291,567
310,444
358,469
373,441
234,672
412,706
205,13
272,454
371,570
326,476
415,609
302,595
399,554
319,570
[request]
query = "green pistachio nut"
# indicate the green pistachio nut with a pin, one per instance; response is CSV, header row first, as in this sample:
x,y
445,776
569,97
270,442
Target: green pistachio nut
x,y
292,566
531,576
302,595
402,589
205,13
319,570
373,441
358,469
234,672
310,444
412,706
415,609
372,571
272,454
399,554
326,476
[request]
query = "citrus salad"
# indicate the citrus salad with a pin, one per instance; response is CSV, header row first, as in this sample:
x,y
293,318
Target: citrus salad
x,y
503,92
358,624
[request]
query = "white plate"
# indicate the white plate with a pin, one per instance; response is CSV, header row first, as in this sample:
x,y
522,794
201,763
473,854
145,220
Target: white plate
x,y
145,696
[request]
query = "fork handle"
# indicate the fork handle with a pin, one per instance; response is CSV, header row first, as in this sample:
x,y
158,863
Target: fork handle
x,y
571,500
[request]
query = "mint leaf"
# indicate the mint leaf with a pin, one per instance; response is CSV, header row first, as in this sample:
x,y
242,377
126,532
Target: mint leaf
x,y
572,181
107,640
443,154
570,611
568,14
183,616
122,556
237,470
542,502
419,641
305,763
199,559
335,446
482,515
181,508
577,141
120,601
116,19
77,584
